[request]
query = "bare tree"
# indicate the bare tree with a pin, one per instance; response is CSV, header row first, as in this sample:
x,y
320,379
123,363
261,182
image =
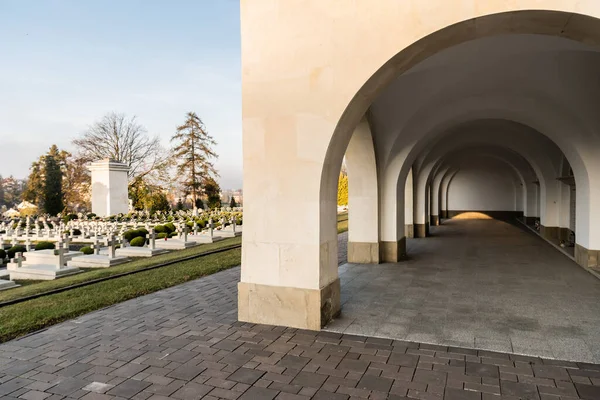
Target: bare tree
x,y
118,137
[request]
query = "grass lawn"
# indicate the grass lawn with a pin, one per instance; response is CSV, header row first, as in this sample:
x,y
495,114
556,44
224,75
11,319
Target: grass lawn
x,y
34,287
342,222
22,318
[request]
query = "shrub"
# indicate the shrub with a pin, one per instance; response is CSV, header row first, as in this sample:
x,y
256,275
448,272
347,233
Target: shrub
x,y
91,215
170,227
44,246
190,224
162,235
2,255
138,242
172,234
160,229
142,232
14,250
76,232
131,234
87,250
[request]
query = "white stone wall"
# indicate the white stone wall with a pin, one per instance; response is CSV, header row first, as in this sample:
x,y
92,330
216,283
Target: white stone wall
x,y
483,186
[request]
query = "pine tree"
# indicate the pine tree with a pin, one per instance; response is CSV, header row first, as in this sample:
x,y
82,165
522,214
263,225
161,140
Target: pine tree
x,y
232,203
213,193
35,184
53,192
194,155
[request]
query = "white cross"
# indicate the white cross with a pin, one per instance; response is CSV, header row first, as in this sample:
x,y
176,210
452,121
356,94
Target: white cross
x,y
18,260
151,236
60,259
96,246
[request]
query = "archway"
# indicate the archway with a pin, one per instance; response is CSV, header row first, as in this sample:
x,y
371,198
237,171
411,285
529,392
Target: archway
x,y
299,115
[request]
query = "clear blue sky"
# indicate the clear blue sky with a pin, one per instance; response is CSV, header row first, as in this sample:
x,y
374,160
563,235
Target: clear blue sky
x,y
64,64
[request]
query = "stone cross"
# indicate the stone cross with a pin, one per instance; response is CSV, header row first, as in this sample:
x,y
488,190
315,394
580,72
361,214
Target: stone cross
x,y
18,260
211,227
195,228
185,233
233,224
28,244
151,236
67,240
179,229
60,259
111,242
96,246
14,241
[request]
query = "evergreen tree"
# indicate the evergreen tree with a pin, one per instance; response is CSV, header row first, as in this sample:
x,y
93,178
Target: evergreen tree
x,y
179,204
53,192
35,184
213,193
194,155
232,203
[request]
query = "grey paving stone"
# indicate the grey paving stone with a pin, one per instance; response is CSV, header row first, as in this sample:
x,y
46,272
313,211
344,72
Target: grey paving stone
x,y
482,370
370,382
128,388
525,391
68,386
588,392
256,393
246,375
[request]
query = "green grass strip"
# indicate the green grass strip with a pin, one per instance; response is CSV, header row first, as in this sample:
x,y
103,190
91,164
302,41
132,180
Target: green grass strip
x,y
22,318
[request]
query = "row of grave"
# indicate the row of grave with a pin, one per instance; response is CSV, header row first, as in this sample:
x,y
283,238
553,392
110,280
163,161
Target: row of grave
x,y
109,250
85,231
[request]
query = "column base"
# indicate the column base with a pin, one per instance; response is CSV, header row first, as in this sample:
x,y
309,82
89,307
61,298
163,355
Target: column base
x,y
435,220
565,235
409,231
287,306
393,251
363,253
421,230
587,258
530,220
551,233
444,214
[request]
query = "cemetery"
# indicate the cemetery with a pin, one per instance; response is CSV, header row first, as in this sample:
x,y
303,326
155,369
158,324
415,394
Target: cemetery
x,y
47,248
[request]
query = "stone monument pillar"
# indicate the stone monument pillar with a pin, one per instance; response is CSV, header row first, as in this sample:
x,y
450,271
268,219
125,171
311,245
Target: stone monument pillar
x,y
109,187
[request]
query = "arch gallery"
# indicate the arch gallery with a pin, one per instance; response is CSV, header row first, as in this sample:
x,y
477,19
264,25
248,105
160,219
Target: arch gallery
x,y
425,99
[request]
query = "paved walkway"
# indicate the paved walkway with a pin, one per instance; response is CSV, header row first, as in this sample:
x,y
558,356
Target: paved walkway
x,y
185,343
480,284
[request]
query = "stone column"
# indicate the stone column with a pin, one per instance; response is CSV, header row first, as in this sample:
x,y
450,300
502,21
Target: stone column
x,y
363,208
109,187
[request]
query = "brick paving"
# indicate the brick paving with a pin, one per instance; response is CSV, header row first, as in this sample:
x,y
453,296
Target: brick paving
x,y
185,343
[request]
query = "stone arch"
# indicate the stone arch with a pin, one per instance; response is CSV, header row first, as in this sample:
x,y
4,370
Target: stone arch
x,y
300,113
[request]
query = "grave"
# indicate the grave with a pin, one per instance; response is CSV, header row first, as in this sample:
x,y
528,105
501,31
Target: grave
x,y
146,251
232,230
5,282
49,269
104,259
207,236
179,243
